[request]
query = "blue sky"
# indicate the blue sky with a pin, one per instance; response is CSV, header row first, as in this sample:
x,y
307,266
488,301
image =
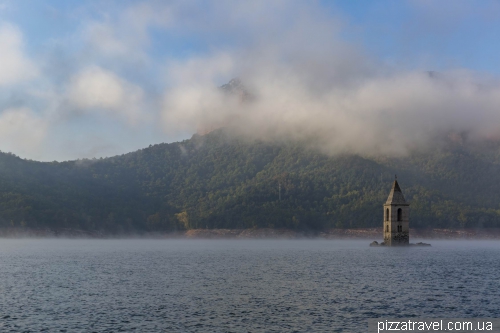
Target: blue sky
x,y
83,79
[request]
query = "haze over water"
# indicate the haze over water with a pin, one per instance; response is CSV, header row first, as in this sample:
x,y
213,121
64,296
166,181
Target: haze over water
x,y
239,286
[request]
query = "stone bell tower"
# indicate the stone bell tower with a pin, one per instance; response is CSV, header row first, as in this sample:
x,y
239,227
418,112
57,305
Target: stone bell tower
x,y
396,218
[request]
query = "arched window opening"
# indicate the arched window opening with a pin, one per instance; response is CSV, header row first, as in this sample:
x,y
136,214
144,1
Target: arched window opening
x,y
387,228
400,214
387,214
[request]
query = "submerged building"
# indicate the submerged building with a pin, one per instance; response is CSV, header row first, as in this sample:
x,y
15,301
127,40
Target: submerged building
x,y
396,218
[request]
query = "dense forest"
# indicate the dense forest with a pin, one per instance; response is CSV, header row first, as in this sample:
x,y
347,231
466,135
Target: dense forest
x,y
223,181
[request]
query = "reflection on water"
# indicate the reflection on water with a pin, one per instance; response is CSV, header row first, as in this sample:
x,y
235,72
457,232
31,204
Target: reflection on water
x,y
239,285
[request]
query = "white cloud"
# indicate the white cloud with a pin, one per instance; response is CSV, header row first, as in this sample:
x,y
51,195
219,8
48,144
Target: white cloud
x,y
308,81
202,70
3,5
310,85
95,89
125,35
102,37
15,67
22,131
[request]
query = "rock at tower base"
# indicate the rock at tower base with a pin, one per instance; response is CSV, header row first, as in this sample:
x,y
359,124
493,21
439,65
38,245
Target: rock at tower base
x,y
375,243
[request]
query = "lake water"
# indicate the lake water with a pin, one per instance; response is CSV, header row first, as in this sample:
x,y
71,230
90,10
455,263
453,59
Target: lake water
x,y
239,285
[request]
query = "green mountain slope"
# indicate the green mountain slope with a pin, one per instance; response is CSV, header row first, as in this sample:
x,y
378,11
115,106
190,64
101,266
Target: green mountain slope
x,y
222,181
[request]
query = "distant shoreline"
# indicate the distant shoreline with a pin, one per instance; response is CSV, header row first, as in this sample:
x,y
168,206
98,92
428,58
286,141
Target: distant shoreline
x,y
265,233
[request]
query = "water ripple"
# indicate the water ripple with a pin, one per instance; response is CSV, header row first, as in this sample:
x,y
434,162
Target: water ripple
x,y
238,286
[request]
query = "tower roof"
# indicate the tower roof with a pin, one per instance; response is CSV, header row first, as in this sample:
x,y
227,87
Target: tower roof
x,y
395,196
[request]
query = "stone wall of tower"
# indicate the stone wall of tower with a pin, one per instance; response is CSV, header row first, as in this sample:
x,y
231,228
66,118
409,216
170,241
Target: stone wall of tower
x,y
396,218
396,232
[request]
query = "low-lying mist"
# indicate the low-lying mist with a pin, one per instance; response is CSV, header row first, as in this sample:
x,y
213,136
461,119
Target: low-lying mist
x,y
390,113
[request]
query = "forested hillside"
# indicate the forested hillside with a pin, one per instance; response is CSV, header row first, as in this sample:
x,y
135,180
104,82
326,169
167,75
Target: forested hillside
x,y
222,181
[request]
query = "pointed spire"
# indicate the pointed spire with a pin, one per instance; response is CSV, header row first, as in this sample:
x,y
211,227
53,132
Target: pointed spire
x,y
395,196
